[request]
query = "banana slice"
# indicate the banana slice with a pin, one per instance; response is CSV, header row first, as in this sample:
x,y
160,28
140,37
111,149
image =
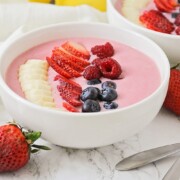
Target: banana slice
x,y
131,9
33,77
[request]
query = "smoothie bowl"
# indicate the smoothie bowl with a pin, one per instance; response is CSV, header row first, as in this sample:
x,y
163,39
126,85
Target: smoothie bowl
x,y
151,18
83,85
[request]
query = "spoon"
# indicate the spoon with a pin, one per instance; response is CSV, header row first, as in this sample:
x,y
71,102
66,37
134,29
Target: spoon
x,y
148,156
173,172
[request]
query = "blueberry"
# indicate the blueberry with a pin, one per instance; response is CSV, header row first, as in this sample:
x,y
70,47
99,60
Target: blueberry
x,y
110,105
91,106
174,15
90,93
94,81
110,84
108,94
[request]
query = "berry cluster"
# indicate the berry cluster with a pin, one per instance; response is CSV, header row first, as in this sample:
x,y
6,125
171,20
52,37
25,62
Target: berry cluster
x,y
70,60
104,65
92,95
155,19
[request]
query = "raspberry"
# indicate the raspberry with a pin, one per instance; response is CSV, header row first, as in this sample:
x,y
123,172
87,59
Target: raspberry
x,y
110,68
103,51
97,61
92,72
178,30
177,20
156,21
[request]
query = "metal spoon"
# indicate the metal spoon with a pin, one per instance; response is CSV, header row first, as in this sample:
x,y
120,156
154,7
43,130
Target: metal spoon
x,y
173,172
146,157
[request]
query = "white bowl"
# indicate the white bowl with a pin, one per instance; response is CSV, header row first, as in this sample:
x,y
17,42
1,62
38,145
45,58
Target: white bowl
x,y
84,130
168,42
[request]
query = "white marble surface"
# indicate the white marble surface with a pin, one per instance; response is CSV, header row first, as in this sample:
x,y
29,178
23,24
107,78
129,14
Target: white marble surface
x,y
98,164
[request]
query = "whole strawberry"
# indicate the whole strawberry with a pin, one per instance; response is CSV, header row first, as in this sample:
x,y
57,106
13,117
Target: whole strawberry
x,y
16,146
172,100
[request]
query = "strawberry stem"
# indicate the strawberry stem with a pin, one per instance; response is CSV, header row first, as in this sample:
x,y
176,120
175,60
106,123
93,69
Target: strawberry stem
x,y
31,136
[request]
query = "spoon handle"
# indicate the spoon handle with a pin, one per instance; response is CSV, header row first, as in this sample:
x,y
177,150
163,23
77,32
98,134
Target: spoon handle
x,y
148,156
173,172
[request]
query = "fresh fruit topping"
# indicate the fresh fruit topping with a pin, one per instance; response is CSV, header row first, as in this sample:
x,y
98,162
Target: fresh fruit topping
x,y
76,49
110,105
69,107
16,144
72,97
60,52
178,30
172,100
110,68
110,84
103,51
69,90
68,61
177,20
108,94
90,93
91,106
92,72
69,84
174,14
34,82
57,68
94,81
68,69
97,61
156,21
164,5
130,9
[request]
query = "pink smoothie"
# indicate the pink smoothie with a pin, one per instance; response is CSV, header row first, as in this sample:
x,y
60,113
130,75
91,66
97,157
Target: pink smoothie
x,y
140,76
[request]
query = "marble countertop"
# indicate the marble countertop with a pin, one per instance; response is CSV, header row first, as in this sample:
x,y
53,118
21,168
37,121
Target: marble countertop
x,y
98,163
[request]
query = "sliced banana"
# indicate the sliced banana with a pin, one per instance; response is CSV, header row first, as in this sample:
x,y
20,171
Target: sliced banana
x,y
33,77
131,9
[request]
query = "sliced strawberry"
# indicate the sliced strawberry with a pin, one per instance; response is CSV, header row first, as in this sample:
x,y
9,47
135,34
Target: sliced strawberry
x,y
61,52
76,49
71,93
156,21
66,60
69,96
69,107
174,3
57,68
163,5
68,83
75,93
68,69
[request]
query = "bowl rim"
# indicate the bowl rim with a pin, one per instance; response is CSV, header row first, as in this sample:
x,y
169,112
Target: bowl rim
x,y
134,25
31,105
